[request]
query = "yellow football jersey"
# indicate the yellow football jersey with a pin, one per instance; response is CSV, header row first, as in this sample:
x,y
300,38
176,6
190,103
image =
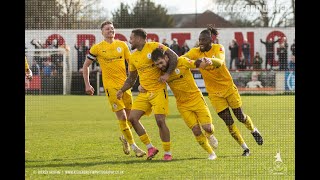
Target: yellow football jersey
x,y
26,65
217,80
111,58
148,72
181,81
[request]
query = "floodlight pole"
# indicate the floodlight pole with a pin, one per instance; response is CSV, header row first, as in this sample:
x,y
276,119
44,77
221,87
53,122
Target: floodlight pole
x,y
195,19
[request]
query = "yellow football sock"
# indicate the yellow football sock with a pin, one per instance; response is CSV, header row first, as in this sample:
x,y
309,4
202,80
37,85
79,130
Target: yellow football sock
x,y
248,123
129,123
126,131
166,146
145,139
209,134
203,141
235,133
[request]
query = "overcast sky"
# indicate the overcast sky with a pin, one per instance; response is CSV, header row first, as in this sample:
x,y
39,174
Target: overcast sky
x,y
173,6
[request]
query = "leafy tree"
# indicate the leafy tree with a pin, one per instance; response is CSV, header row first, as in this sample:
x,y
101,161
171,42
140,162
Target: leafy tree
x,y
122,18
145,13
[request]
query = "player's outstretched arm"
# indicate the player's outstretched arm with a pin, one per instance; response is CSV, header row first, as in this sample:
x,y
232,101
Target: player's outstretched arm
x,y
204,62
216,62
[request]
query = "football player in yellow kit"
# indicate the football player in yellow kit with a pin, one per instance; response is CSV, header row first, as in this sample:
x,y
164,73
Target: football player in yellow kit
x,y
222,91
189,99
111,55
156,97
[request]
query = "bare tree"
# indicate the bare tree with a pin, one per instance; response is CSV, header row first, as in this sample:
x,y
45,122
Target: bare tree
x,y
41,14
63,14
293,4
74,12
271,13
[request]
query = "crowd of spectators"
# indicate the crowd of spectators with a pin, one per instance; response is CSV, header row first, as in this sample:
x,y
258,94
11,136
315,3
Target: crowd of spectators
x,y
48,63
51,63
276,58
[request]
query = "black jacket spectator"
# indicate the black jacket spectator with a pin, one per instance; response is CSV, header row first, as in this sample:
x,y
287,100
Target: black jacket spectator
x,y
164,42
185,48
269,51
282,52
246,53
82,52
175,47
234,56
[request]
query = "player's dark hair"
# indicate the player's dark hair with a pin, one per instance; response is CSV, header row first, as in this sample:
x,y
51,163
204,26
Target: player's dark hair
x,y
105,23
140,32
211,31
157,53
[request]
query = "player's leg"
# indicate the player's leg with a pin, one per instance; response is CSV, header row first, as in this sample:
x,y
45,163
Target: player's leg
x,y
203,141
160,105
141,106
209,130
190,119
128,101
235,103
203,116
246,120
164,135
221,106
118,107
225,115
127,137
122,110
128,113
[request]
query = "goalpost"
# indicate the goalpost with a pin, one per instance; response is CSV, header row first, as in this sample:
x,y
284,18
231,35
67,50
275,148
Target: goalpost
x,y
52,64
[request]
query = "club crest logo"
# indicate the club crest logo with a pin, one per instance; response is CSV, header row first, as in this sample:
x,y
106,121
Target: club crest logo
x,y
115,106
149,55
278,166
177,71
119,49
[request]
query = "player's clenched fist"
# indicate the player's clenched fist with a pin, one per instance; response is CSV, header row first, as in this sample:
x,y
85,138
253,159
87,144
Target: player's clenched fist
x,y
89,90
29,74
119,94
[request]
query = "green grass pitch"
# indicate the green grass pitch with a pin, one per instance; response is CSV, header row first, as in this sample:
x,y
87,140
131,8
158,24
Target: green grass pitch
x,y
76,137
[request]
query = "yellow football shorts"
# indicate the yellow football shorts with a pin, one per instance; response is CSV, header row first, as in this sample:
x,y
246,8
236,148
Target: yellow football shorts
x,y
195,112
156,101
230,98
116,104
